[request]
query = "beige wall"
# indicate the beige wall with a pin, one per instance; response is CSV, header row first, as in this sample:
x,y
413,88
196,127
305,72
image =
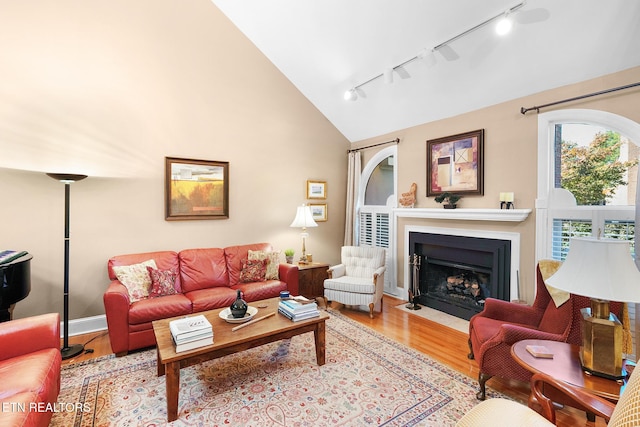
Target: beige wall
x,y
109,89
510,158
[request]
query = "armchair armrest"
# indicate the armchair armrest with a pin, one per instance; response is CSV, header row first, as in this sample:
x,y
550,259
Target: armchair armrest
x,y
288,273
580,398
337,271
23,336
511,334
510,312
378,274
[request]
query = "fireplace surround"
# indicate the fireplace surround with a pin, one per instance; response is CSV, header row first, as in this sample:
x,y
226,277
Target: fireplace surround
x,y
459,268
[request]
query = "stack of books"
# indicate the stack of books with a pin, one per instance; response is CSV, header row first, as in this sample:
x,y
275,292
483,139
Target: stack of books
x,y
191,332
298,308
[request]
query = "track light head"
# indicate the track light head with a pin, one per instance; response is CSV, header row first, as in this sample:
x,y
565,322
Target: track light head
x,y
428,57
388,75
350,95
504,25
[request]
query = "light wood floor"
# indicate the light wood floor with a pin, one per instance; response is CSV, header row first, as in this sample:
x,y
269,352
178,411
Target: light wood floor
x,y
440,342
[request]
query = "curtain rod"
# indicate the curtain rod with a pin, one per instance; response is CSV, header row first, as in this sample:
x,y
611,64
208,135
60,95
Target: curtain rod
x,y
602,92
397,141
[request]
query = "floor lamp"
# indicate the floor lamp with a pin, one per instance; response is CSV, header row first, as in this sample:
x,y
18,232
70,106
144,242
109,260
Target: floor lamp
x,y
67,351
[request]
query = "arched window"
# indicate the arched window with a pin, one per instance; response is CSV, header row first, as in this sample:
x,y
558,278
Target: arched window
x,y
587,175
565,209
376,199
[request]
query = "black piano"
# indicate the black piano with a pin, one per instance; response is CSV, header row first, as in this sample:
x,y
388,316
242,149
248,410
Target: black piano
x,y
15,282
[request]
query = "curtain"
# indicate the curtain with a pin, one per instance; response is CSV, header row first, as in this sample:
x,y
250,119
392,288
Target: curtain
x,y
353,184
636,238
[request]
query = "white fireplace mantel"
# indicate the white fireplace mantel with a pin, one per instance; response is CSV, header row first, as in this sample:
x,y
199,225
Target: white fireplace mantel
x,y
464,214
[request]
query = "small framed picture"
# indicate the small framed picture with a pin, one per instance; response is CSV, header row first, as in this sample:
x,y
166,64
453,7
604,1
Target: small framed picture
x,y
318,211
316,189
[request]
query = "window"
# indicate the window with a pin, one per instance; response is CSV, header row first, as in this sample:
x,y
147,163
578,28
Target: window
x,y
376,199
575,197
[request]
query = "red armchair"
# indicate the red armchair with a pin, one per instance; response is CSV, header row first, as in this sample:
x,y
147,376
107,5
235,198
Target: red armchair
x,y
501,324
29,370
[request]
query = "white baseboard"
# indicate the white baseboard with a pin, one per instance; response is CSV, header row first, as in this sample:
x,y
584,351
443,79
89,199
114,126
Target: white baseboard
x,y
85,325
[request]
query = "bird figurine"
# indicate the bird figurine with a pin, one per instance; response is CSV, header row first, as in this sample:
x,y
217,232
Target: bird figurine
x,y
408,200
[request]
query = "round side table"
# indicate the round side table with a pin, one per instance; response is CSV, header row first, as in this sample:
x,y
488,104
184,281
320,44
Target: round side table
x,y
565,366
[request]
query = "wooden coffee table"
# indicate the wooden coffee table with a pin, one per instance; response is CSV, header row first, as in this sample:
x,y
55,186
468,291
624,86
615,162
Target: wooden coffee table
x,y
226,341
565,366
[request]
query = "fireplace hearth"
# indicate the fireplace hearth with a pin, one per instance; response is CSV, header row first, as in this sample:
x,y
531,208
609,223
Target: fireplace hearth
x,y
458,273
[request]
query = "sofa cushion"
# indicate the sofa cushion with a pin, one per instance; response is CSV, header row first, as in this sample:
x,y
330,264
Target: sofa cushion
x,y
253,270
212,298
273,262
234,256
163,282
151,309
203,268
164,260
136,279
357,285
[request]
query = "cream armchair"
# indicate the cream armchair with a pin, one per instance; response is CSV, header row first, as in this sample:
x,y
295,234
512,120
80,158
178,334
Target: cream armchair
x,y
359,278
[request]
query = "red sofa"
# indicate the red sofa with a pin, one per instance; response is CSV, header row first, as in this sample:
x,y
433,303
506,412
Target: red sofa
x,y
209,279
29,370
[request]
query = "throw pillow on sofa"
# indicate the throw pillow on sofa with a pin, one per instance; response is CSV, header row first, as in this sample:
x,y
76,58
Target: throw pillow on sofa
x,y
136,279
273,262
253,270
163,282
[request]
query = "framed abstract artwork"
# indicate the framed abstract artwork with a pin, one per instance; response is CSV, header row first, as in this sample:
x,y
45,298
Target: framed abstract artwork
x,y
196,189
455,164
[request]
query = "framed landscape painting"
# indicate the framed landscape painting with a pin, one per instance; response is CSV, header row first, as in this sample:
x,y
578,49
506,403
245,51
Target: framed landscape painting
x,y
316,189
455,164
318,211
196,189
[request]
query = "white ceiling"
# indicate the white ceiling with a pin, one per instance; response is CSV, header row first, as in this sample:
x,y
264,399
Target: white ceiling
x,y
325,47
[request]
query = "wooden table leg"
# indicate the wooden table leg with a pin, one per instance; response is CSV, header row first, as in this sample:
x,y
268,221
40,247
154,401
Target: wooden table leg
x,y
159,364
319,335
172,375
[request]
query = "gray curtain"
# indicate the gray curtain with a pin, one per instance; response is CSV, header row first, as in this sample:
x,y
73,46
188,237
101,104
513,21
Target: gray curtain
x,y
353,184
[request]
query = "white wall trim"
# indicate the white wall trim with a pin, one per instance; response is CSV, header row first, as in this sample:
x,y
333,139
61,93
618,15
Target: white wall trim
x,y
85,325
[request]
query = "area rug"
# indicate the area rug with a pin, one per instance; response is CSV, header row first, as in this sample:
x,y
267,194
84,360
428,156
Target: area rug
x,y
368,380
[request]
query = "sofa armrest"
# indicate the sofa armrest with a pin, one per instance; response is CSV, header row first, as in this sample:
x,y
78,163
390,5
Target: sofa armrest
x,y
23,336
543,384
116,307
336,271
510,312
288,273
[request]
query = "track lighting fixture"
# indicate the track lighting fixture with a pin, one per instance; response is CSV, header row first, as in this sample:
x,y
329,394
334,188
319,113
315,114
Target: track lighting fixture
x,y
503,26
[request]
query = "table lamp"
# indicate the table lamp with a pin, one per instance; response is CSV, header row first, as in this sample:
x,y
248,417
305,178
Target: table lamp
x,y
603,270
303,219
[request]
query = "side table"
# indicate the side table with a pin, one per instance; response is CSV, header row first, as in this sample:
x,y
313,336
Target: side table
x,y
311,279
565,366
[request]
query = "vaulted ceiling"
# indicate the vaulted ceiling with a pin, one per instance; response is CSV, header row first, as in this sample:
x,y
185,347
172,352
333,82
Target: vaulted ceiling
x,y
330,46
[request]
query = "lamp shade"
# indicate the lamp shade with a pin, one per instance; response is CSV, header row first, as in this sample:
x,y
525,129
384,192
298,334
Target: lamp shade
x,y
304,218
599,268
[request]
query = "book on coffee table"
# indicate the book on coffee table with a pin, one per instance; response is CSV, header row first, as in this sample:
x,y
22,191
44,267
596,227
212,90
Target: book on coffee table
x,y
539,351
190,345
189,327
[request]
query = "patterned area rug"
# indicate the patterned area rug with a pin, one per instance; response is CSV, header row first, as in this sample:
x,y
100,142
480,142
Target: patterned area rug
x,y
368,380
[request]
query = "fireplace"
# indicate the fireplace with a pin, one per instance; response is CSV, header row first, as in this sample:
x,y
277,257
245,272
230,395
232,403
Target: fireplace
x,y
456,273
